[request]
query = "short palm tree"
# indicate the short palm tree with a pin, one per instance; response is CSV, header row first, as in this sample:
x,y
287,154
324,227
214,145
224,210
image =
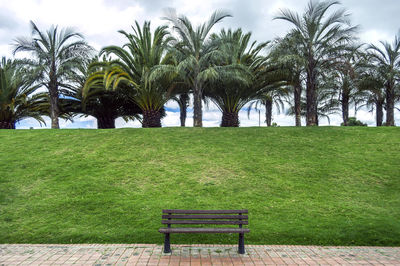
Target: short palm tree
x,y
387,62
17,95
321,35
352,64
270,97
372,84
131,71
235,86
272,80
182,99
328,101
194,56
56,53
327,104
105,105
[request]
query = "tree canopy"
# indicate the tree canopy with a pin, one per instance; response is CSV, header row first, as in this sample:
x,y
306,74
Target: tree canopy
x,y
318,68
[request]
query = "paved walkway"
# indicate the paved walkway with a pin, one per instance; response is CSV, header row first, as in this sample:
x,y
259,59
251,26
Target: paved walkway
x,y
146,254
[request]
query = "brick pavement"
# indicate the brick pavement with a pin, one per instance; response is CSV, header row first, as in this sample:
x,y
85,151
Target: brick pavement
x,y
146,254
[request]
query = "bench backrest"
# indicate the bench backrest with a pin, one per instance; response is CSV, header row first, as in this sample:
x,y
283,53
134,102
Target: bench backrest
x,y
233,217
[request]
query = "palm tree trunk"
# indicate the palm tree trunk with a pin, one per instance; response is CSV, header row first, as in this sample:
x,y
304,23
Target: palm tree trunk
x,y
390,105
183,103
105,122
53,92
230,119
297,103
183,116
151,118
197,106
54,109
268,112
7,125
311,114
379,113
345,107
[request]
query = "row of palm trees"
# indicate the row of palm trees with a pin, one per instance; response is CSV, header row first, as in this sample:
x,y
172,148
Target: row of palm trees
x,y
317,68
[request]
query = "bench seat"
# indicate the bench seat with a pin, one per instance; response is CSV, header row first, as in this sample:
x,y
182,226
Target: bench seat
x,y
184,230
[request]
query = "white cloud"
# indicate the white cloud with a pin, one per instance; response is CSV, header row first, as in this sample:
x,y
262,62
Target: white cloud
x,y
172,105
171,120
85,119
5,50
275,8
374,36
120,123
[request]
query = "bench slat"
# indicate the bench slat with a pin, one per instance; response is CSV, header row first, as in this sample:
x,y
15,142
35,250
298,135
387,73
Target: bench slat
x,y
206,211
202,222
204,230
235,217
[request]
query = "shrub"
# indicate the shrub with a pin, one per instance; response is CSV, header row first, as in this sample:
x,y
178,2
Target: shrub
x,y
355,123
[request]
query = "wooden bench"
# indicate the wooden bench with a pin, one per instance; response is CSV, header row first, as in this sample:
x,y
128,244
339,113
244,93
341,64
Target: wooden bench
x,y
202,217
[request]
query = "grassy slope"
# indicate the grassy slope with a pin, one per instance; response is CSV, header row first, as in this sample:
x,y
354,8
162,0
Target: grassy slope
x,y
326,186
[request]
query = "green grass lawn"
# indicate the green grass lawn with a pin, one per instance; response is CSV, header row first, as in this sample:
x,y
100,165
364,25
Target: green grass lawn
x,y
320,186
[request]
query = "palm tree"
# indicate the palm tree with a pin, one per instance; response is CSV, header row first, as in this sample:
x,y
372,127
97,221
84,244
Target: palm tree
x,y
193,49
327,100
372,84
132,70
327,103
352,64
321,35
182,99
17,95
56,53
105,105
274,95
180,93
272,80
387,62
235,86
287,55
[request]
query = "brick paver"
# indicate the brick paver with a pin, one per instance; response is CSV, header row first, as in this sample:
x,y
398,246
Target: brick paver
x,y
137,254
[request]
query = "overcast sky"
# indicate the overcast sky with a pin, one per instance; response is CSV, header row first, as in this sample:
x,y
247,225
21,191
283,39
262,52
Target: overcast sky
x,y
99,21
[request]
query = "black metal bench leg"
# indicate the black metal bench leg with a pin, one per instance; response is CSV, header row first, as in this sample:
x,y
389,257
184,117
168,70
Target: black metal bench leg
x,y
241,244
167,246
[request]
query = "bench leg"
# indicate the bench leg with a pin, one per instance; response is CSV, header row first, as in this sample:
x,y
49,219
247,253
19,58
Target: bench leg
x,y
167,246
241,244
